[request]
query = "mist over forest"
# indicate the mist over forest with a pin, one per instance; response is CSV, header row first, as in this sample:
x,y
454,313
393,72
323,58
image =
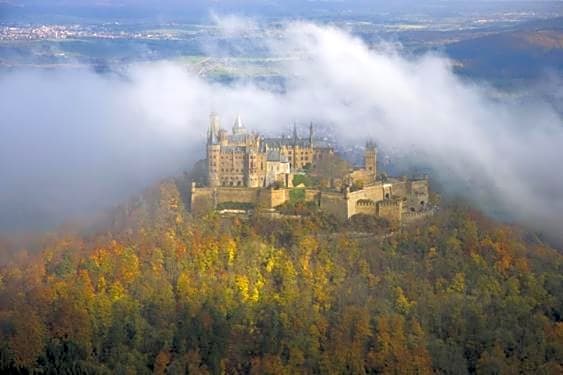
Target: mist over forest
x,y
75,140
136,237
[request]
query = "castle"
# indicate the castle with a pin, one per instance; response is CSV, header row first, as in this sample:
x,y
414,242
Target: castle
x,y
245,168
249,160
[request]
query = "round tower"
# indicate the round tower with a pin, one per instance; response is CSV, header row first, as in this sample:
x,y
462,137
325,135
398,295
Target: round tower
x,y
370,158
213,151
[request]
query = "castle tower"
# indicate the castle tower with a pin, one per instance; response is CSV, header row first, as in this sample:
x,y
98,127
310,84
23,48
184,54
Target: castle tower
x,y
213,151
311,134
238,127
214,125
370,158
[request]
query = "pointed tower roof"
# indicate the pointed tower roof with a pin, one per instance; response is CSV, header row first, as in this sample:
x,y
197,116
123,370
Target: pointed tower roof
x,y
238,127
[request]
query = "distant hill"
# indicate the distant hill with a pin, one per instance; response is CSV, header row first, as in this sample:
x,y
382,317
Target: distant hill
x,y
526,53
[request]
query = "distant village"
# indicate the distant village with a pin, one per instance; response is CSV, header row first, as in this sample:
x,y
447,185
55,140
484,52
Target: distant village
x,y
246,170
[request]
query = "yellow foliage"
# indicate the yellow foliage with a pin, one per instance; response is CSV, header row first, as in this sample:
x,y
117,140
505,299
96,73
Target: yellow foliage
x,y
458,283
231,249
242,283
401,301
116,291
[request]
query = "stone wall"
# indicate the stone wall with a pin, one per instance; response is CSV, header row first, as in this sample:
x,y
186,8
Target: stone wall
x,y
270,198
242,195
410,217
373,192
400,188
414,193
312,195
362,176
418,197
390,210
205,199
366,207
389,200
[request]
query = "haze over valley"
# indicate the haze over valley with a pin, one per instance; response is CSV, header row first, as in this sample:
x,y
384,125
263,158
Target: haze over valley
x,y
281,187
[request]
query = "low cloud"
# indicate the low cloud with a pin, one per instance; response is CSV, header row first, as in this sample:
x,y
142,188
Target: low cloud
x,y
72,140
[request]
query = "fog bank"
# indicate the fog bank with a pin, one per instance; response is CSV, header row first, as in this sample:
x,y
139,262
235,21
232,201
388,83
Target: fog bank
x,y
73,140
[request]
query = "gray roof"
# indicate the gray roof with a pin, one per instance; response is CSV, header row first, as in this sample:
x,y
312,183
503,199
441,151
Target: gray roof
x,y
278,142
275,155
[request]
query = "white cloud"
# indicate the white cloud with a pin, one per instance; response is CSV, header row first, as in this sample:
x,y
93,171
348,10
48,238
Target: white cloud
x,y
111,131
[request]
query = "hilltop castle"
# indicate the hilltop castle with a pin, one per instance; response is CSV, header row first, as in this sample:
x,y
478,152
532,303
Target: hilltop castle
x,y
245,169
247,159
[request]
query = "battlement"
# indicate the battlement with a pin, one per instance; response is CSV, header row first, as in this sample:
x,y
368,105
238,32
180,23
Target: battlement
x,y
390,203
365,203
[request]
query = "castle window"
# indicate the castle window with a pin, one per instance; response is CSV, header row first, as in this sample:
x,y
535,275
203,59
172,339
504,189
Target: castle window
x,y
387,196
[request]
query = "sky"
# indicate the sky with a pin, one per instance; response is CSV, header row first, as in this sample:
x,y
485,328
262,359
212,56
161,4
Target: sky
x,y
74,141
197,10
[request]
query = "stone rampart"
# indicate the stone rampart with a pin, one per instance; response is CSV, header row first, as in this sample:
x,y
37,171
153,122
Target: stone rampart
x,y
366,207
390,210
204,199
312,195
270,198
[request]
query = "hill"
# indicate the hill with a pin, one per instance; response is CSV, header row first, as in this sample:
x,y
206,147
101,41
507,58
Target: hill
x,y
160,291
524,53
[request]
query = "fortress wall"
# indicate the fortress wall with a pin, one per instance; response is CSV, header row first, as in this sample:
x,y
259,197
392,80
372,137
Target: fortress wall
x,y
418,192
409,217
278,197
311,195
400,189
390,210
365,208
243,195
362,175
335,204
373,192
205,199
270,198
201,200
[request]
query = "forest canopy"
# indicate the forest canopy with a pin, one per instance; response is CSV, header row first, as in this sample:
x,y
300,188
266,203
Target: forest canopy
x,y
163,292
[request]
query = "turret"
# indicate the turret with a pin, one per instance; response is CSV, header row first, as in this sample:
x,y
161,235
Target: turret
x,y
311,133
370,158
238,127
213,150
214,125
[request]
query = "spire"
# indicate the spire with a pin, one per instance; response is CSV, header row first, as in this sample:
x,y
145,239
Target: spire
x,y
311,133
295,132
238,127
213,128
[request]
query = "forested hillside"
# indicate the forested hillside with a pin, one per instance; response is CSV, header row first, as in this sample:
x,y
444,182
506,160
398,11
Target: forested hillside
x,y
163,292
